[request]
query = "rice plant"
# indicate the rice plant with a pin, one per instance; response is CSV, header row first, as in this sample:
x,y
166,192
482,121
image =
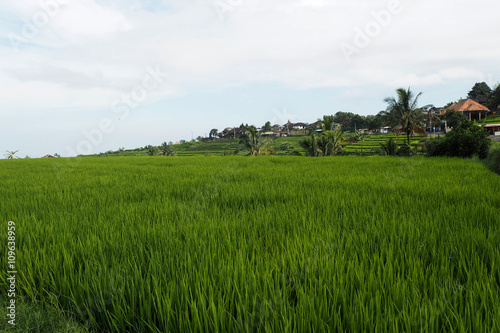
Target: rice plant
x,y
258,244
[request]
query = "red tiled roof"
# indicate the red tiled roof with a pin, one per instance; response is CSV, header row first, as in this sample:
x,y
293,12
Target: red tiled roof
x,y
466,105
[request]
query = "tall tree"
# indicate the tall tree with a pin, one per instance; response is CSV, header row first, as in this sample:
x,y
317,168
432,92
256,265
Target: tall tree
x,y
480,92
356,122
454,118
403,111
327,123
493,102
267,126
213,133
375,122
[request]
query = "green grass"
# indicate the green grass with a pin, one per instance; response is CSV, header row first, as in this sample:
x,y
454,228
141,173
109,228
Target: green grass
x,y
493,119
35,317
271,244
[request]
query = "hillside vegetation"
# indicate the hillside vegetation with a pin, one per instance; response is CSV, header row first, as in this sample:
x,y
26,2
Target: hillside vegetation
x,y
220,147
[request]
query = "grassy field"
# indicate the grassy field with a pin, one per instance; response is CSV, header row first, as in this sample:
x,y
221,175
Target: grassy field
x,y
271,244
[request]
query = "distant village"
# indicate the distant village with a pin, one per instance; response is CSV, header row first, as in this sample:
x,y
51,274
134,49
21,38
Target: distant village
x,y
350,122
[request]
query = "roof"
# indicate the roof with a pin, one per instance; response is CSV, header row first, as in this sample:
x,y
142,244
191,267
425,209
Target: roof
x,y
466,105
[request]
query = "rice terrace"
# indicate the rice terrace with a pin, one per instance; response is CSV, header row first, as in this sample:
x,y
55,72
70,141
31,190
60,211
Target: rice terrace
x,y
246,166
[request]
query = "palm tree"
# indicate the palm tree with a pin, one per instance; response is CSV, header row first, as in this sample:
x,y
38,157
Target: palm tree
x,y
327,143
327,123
166,149
310,144
253,141
153,151
11,154
334,141
403,111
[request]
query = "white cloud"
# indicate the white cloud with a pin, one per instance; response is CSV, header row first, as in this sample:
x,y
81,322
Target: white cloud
x,y
91,51
86,17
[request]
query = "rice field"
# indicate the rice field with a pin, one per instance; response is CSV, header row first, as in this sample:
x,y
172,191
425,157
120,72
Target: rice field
x,y
258,244
493,119
372,141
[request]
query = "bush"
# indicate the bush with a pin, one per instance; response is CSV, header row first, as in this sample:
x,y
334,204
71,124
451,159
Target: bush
x,y
466,140
405,150
390,147
284,146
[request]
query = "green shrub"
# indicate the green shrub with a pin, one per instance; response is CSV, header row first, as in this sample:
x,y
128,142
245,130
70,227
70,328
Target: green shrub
x,y
284,146
390,147
405,150
466,140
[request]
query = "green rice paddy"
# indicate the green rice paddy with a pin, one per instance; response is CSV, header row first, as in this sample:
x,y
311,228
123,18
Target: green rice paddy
x,y
264,244
493,119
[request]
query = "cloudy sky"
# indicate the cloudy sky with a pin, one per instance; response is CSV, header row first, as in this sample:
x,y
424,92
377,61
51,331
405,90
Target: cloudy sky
x,y
89,76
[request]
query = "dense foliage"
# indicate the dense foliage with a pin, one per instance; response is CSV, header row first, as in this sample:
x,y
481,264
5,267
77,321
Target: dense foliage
x,y
494,100
253,141
465,140
480,92
327,143
235,244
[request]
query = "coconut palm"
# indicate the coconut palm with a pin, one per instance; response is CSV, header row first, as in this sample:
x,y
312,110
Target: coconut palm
x,y
153,151
327,123
166,149
310,144
327,143
253,141
334,138
403,111
11,154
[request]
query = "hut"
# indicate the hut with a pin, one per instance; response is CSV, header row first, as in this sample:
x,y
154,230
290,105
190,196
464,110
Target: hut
x,y
473,110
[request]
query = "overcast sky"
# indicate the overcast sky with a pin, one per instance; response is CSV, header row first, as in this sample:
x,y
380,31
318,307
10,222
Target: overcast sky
x,y
94,75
